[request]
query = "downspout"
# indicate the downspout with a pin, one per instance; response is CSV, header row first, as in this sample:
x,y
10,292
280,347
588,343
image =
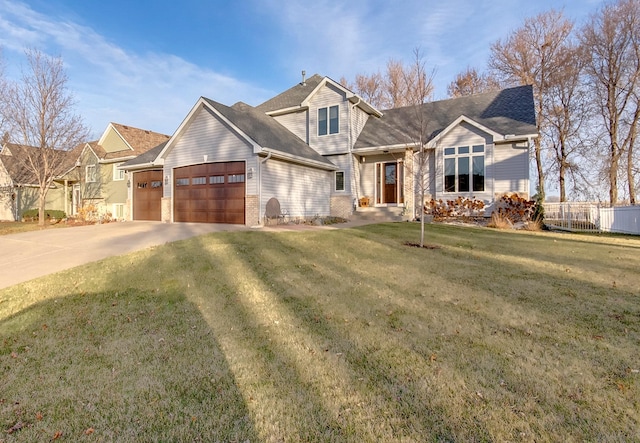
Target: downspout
x,y
354,164
529,142
264,160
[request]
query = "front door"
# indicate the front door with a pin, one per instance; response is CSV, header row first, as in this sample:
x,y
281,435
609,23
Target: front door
x,y
390,190
389,183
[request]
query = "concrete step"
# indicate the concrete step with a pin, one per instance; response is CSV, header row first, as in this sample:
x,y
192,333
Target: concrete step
x,y
381,214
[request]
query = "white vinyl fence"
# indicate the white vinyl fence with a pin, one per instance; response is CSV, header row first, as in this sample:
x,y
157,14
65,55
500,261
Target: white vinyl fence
x,y
592,217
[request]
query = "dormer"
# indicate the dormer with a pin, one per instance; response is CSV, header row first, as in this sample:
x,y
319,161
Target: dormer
x,y
321,112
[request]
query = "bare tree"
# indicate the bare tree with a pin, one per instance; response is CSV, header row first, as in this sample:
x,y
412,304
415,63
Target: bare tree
x,y
566,113
529,56
40,114
419,91
471,82
394,89
612,37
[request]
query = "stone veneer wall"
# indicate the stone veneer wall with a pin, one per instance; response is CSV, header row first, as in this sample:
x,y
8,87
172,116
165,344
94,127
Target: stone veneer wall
x,y
341,206
165,210
252,210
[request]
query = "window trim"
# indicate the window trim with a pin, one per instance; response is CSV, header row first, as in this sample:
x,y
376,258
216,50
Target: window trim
x,y
90,178
469,152
335,182
117,172
326,126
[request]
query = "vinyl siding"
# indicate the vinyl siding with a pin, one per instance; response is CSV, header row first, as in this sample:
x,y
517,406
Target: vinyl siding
x,y
511,169
297,123
208,136
465,135
330,143
114,191
344,163
358,120
113,142
303,192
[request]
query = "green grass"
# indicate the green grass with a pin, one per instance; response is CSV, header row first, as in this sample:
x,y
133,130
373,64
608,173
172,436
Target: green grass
x,y
341,335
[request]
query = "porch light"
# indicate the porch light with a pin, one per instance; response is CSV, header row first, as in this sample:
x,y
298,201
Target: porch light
x,y
166,180
250,173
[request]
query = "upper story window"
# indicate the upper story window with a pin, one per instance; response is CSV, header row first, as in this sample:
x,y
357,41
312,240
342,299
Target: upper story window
x,y
328,120
464,169
118,174
90,174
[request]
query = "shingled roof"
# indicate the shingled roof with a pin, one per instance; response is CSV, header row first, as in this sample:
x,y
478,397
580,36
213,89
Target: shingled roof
x,y
510,111
292,97
21,175
267,132
140,140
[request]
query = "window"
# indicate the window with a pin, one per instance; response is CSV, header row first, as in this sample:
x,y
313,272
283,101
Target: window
x,y
216,179
199,181
118,174
464,169
328,120
156,183
90,173
118,211
182,182
339,181
236,178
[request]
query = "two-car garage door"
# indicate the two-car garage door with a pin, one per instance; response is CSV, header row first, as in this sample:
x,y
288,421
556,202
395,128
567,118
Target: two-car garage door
x,y
210,193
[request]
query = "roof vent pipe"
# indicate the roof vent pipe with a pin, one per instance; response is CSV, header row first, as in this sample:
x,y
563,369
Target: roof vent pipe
x,y
304,82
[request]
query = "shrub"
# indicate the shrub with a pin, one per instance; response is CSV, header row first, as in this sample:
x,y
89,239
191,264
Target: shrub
x,y
515,208
88,213
460,207
32,214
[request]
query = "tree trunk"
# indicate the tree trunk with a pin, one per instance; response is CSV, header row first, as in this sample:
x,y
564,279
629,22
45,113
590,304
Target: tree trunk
x,y
613,177
42,199
563,196
538,147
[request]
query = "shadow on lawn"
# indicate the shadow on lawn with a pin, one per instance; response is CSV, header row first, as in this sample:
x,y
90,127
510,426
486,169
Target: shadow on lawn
x,y
131,364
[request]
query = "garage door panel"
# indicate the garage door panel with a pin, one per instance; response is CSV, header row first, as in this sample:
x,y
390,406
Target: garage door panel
x,y
147,195
212,193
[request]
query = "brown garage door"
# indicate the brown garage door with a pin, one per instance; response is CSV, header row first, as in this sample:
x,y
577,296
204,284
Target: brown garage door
x,y
210,193
147,195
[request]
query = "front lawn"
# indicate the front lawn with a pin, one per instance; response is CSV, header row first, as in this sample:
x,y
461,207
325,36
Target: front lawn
x,y
331,335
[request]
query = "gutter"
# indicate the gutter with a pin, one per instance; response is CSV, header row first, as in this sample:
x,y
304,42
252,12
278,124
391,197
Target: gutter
x,y
300,160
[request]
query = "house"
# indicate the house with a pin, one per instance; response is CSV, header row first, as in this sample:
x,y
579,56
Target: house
x,y
89,175
322,150
96,179
19,187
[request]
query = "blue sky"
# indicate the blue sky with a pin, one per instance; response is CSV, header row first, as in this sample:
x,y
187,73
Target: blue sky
x,y
145,63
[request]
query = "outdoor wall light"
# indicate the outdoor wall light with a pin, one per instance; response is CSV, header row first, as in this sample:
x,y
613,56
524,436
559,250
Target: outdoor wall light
x,y
128,183
250,173
166,180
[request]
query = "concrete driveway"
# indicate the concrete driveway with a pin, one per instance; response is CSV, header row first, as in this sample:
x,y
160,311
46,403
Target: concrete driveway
x,y
28,255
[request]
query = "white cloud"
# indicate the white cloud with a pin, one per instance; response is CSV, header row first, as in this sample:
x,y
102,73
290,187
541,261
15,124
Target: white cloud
x,y
152,91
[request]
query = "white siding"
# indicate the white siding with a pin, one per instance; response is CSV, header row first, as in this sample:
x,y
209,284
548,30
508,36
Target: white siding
x,y
301,191
330,143
208,136
465,135
343,162
358,120
511,168
297,123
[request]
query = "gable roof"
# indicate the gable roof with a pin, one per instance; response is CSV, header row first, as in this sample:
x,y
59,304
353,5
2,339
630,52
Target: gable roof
x,y
10,158
270,135
297,97
509,112
137,142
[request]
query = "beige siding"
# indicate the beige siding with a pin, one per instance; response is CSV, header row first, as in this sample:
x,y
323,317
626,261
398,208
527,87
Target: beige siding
x,y
113,191
7,205
511,168
297,123
358,120
208,136
303,192
330,143
113,142
343,162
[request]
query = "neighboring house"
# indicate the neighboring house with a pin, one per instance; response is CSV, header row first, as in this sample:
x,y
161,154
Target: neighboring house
x,y
19,188
96,179
321,150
